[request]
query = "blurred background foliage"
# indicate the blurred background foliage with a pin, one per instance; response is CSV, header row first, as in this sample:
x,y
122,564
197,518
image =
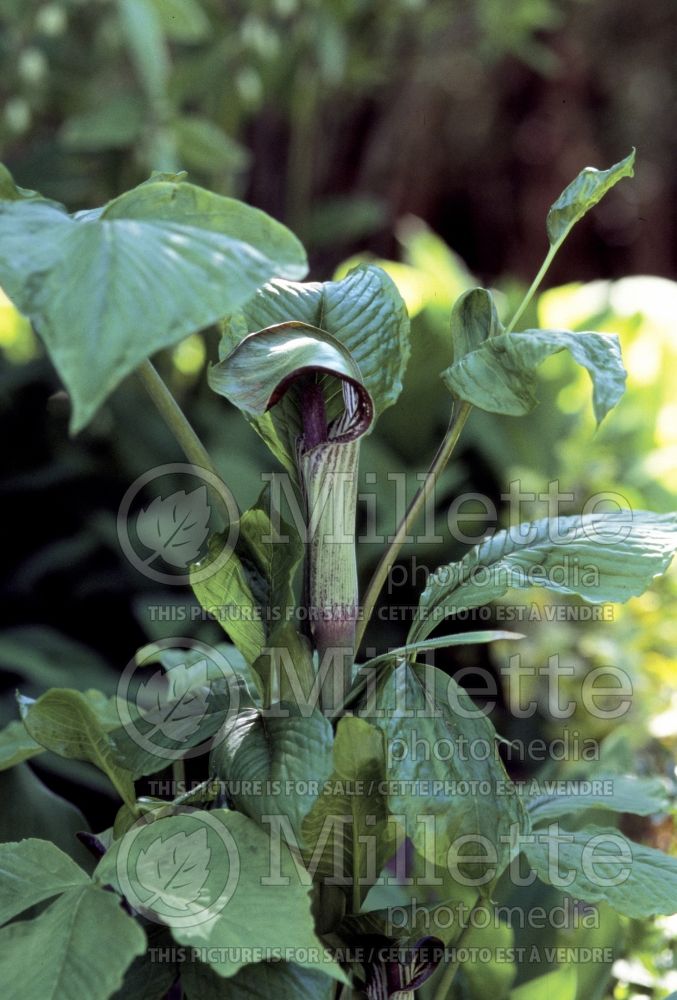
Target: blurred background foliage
x,y
430,137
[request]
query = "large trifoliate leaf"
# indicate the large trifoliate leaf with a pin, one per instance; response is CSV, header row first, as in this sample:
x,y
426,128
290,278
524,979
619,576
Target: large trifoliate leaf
x,y
80,946
220,883
444,793
108,288
598,865
601,557
348,834
364,311
287,757
583,194
32,871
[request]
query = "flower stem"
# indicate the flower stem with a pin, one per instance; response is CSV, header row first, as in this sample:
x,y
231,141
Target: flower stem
x,y
533,286
380,576
178,424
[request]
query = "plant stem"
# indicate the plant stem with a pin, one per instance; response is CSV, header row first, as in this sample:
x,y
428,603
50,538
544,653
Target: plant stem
x,y
380,576
451,969
177,422
533,286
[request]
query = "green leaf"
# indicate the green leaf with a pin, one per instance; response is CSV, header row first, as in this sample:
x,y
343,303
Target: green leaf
x,y
615,793
347,832
252,590
558,985
498,375
63,721
646,878
80,946
220,883
425,718
473,320
32,871
608,556
16,745
364,311
256,982
110,288
204,146
583,194
287,757
115,125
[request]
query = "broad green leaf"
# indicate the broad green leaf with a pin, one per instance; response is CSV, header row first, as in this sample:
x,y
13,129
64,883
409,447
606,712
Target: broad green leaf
x,y
63,721
615,793
583,194
34,870
491,978
592,858
259,371
16,745
348,833
286,757
424,716
558,985
262,981
473,320
219,882
80,946
147,978
498,375
364,311
117,124
602,557
252,590
110,288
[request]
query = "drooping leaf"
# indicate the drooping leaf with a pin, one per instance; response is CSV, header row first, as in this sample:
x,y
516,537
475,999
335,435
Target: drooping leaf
x,y
241,901
32,871
461,795
111,287
364,311
347,833
16,745
287,757
202,145
597,864
583,194
63,721
473,320
498,375
608,556
80,946
443,642
615,793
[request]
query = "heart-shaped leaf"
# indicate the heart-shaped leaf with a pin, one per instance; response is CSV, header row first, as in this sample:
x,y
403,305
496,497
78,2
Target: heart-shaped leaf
x,y
108,288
